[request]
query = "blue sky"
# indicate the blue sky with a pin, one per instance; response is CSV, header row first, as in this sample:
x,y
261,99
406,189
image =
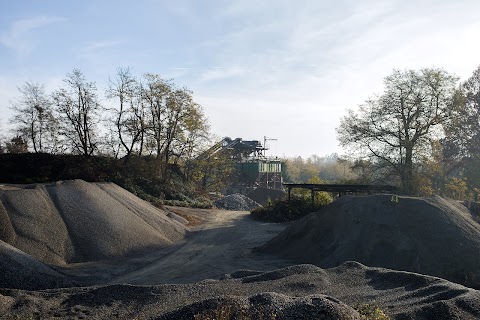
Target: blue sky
x,y
284,69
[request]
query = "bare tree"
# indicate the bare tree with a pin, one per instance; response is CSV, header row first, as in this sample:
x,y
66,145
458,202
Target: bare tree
x,y
129,116
396,128
34,117
156,94
78,108
140,111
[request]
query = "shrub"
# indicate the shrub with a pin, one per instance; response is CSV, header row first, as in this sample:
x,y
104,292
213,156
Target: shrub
x,y
371,312
283,210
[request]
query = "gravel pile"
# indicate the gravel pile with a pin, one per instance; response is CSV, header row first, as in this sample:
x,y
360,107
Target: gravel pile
x,y
237,202
268,305
297,292
76,221
432,236
21,271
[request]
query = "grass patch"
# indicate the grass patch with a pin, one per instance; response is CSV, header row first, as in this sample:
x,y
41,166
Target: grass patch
x,y
370,311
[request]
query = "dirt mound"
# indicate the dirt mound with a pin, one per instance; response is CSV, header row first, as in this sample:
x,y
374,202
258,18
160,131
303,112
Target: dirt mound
x,y
237,202
432,236
266,306
76,221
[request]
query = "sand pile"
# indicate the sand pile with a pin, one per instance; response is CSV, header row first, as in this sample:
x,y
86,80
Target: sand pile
x,y
236,202
431,236
76,221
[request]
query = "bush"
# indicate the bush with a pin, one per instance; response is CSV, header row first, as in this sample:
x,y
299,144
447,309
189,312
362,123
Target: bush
x,y
200,203
371,312
176,203
283,211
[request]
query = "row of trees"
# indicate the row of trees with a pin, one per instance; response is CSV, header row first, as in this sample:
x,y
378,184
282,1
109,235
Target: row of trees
x,y
139,116
329,169
422,132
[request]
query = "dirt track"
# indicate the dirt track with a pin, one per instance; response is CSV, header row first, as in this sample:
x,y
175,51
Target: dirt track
x,y
221,245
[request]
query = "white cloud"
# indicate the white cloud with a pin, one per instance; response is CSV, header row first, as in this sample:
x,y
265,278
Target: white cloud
x,y
17,38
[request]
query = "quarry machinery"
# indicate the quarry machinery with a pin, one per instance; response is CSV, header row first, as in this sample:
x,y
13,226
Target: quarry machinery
x,y
255,169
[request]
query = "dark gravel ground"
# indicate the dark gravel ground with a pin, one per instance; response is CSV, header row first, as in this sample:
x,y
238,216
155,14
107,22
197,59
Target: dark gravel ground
x,y
296,292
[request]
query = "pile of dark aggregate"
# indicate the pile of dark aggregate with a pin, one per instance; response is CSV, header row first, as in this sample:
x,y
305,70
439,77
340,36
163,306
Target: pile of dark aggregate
x,y
237,202
295,292
428,235
268,305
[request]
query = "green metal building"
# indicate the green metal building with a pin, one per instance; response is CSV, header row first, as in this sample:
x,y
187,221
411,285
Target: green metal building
x,y
254,168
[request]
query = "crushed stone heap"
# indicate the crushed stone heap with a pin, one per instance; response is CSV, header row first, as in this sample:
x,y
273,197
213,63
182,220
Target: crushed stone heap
x,y
294,292
236,202
432,236
76,221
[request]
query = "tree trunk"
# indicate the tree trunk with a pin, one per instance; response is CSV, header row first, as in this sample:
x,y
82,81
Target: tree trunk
x,y
407,178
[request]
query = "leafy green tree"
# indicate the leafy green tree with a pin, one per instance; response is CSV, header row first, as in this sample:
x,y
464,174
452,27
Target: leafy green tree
x,y
195,138
456,188
215,173
461,145
320,198
175,124
431,172
330,168
462,139
395,129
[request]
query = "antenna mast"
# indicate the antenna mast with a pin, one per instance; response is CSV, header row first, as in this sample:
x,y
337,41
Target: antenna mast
x,y
265,139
